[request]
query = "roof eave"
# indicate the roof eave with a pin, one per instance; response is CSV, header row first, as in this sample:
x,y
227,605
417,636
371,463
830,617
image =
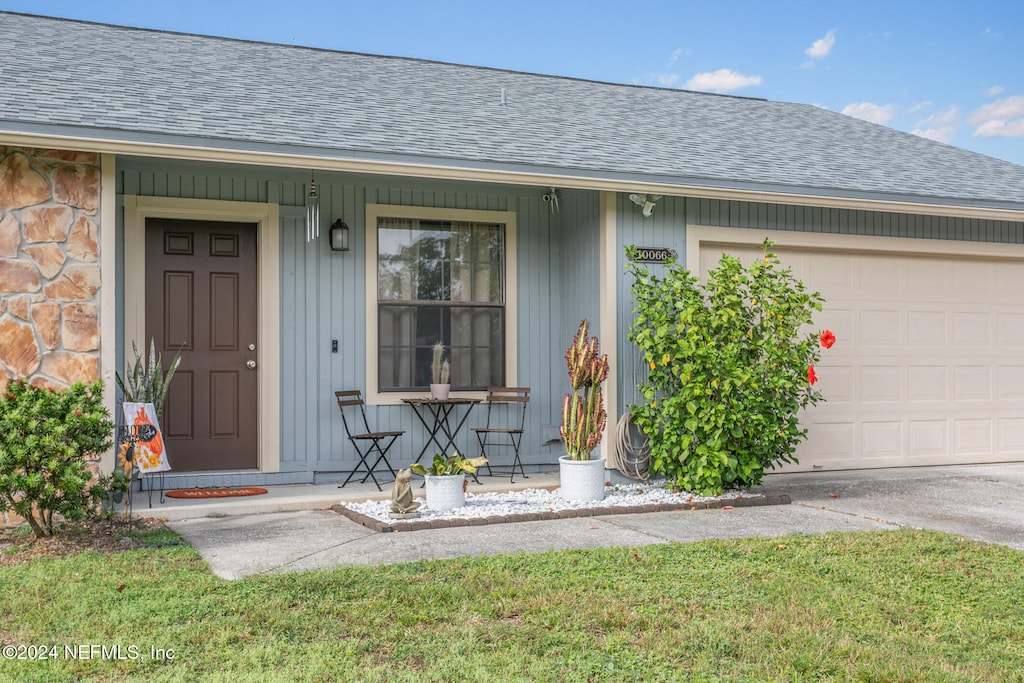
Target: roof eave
x,y
105,141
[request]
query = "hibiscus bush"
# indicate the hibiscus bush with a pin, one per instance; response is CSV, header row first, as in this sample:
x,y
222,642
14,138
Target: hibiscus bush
x,y
45,438
731,363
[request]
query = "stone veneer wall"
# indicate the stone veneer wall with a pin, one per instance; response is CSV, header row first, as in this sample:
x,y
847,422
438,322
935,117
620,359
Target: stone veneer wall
x,y
49,266
49,269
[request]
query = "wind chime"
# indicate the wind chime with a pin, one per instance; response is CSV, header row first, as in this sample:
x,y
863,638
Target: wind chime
x,y
312,213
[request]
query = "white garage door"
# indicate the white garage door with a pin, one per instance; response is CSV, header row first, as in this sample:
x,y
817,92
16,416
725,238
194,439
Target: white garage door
x,y
929,364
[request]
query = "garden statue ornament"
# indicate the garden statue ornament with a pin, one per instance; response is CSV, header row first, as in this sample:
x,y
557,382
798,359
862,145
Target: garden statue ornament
x,y
402,504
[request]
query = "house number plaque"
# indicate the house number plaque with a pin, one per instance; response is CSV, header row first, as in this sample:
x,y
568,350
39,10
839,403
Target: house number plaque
x,y
652,254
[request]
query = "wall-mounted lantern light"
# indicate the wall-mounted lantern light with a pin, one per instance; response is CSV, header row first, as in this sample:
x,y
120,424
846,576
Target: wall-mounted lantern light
x,y
339,236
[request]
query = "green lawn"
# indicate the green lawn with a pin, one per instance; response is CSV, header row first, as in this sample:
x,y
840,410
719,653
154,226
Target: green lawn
x,y
872,606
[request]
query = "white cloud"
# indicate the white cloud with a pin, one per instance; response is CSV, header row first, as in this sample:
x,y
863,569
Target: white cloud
x,y
676,54
995,90
869,111
723,80
822,46
942,126
920,105
1001,129
1002,119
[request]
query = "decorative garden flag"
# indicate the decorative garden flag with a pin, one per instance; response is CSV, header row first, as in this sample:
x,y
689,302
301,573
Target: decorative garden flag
x,y
150,455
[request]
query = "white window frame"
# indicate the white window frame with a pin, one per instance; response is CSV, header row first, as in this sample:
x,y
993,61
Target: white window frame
x,y
374,212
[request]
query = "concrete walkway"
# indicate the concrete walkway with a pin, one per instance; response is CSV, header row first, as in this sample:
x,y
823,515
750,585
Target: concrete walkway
x,y
290,529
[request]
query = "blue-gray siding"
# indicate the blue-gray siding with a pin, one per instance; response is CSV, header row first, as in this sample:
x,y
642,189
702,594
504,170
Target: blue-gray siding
x,y
323,293
323,298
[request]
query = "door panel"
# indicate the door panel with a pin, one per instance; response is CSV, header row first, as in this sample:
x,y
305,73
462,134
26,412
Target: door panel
x,y
201,298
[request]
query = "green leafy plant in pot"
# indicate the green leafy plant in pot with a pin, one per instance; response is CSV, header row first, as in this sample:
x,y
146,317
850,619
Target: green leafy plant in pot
x,y
446,479
583,418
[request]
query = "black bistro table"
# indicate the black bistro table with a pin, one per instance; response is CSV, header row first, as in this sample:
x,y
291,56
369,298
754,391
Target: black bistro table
x,y
438,417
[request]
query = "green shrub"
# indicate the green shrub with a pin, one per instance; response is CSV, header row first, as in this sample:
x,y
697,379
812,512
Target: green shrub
x,y
45,438
731,363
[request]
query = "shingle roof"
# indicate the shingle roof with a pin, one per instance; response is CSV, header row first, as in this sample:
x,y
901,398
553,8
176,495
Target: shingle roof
x,y
119,82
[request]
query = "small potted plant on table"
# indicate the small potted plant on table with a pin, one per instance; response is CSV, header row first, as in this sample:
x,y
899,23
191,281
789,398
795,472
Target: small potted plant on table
x,y
446,479
439,371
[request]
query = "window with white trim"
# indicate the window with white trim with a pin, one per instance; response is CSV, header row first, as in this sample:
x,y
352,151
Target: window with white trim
x,y
440,275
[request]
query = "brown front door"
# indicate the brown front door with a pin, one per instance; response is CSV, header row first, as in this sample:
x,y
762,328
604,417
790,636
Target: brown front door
x,y
201,298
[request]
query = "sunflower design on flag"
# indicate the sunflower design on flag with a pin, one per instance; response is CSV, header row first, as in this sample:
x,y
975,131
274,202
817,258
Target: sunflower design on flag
x,y
149,453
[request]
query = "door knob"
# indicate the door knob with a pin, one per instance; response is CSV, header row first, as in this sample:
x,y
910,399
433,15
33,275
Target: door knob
x,y
250,364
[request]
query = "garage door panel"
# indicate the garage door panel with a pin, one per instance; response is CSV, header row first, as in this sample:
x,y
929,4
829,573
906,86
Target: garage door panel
x,y
972,438
832,272
1010,383
880,383
927,280
971,329
839,320
839,385
1009,277
972,383
1010,329
972,281
833,442
1011,435
927,328
878,275
881,441
927,438
929,363
880,328
927,383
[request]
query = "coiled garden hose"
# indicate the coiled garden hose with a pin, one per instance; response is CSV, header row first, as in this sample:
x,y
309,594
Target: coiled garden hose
x,y
632,449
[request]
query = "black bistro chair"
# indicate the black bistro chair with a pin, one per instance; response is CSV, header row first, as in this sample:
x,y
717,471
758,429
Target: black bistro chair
x,y
372,442
506,423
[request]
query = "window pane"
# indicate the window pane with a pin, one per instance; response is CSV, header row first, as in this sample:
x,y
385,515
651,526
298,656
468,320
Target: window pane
x,y
473,345
429,275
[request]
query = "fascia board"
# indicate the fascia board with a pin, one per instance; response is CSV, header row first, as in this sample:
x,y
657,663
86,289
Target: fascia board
x,y
261,154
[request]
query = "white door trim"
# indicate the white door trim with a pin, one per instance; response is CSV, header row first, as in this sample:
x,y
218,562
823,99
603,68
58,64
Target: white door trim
x,y
268,353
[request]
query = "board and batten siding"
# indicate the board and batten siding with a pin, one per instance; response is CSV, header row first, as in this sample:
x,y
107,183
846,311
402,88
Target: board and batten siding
x,y
322,297
667,228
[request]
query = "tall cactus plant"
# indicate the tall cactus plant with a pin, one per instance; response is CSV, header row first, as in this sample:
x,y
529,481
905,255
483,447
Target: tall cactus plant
x,y
439,367
583,413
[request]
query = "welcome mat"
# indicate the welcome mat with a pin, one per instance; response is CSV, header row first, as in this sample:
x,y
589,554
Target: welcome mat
x,y
216,493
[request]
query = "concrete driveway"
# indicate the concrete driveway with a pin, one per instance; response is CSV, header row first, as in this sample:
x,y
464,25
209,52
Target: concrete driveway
x,y
983,502
980,502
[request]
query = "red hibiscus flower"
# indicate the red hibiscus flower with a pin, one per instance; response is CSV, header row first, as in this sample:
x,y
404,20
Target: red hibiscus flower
x,y
811,377
828,339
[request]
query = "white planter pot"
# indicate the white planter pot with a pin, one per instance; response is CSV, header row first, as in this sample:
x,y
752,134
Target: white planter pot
x,y
447,492
581,480
439,392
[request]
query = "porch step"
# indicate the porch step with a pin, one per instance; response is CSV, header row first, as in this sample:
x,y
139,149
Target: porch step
x,y
292,497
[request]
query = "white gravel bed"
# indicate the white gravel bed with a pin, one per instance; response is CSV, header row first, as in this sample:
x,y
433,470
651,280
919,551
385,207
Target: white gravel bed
x,y
541,500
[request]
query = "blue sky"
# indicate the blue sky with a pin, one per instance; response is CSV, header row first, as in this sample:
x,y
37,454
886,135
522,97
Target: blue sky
x,y
952,71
